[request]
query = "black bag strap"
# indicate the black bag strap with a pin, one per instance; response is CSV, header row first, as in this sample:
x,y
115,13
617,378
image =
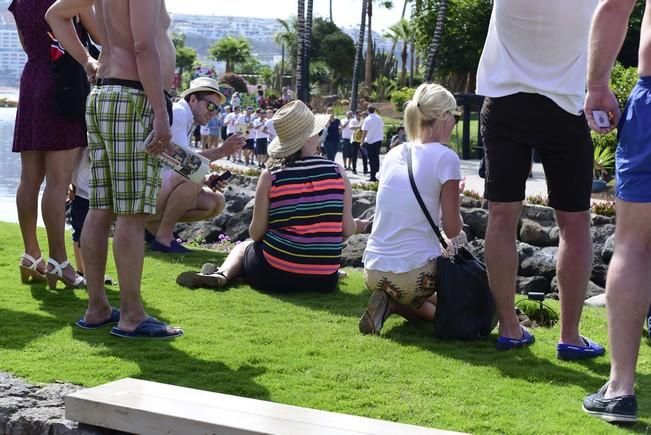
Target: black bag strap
x,y
420,200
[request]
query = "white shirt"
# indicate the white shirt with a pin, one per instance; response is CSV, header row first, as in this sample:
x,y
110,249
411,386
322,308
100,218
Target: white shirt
x,y
81,175
246,120
231,122
259,126
402,239
182,123
537,47
374,126
270,129
347,131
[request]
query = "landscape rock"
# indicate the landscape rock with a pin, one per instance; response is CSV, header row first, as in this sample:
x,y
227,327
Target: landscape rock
x,y
539,213
353,250
609,247
542,262
533,233
476,219
596,301
592,290
536,284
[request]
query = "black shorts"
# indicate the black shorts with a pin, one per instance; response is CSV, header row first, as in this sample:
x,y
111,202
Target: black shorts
x,y
250,143
261,146
512,126
262,276
78,212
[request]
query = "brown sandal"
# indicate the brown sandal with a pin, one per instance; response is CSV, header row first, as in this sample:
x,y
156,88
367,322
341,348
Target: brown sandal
x,y
196,279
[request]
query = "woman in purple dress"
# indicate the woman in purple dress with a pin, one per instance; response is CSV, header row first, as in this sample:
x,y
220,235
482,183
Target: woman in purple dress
x,y
49,147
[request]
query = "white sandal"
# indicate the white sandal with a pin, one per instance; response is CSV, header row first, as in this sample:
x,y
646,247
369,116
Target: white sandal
x,y
31,272
56,274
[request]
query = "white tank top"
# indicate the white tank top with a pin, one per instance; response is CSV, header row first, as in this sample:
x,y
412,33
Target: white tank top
x,y
539,47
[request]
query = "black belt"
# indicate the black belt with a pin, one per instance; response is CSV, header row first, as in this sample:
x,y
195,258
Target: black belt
x,y
134,84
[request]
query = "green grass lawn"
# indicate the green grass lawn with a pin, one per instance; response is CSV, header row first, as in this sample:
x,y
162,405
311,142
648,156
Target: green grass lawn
x,y
305,350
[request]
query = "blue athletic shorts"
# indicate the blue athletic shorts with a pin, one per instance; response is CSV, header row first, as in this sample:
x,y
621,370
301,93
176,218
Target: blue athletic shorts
x,y
633,160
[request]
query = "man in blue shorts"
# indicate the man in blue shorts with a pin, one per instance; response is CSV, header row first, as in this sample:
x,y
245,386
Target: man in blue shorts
x,y
532,72
628,286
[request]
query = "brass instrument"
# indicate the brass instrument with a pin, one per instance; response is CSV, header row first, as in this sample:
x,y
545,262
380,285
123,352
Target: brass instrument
x,y
357,135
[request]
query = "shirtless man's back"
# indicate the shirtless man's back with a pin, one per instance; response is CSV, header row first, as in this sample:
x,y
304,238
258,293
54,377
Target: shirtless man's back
x,y
135,67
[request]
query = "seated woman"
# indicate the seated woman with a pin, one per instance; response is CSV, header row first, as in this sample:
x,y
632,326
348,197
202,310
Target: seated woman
x,y
400,257
302,213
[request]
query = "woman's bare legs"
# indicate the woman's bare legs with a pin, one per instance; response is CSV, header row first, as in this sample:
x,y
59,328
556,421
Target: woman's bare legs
x,y
31,177
233,266
425,312
59,166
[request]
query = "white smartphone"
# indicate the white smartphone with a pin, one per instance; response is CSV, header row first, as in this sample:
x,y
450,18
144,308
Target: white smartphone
x,y
600,118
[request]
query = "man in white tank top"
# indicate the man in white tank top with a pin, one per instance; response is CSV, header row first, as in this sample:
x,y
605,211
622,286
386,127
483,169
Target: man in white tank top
x,y
628,286
532,71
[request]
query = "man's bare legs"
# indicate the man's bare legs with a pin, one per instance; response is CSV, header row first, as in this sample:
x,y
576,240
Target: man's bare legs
x,y
628,293
182,201
502,263
59,166
95,250
31,177
573,268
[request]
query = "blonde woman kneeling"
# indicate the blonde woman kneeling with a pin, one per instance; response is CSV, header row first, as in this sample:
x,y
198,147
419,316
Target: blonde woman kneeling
x,y
400,257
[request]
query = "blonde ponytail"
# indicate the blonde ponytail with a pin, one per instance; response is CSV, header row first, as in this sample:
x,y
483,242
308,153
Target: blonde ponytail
x,y
429,104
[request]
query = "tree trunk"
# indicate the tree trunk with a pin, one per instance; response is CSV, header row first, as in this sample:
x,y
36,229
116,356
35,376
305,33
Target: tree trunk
x,y
331,12
436,39
308,48
300,50
412,61
282,67
403,58
358,58
368,73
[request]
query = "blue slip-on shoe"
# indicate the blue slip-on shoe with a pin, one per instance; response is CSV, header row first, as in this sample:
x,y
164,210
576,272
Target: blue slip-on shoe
x,y
570,352
149,237
148,328
113,318
506,343
648,324
174,247
620,409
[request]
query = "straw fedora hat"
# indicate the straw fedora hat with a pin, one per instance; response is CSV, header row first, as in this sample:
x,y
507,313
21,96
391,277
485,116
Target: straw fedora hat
x,y
294,124
204,84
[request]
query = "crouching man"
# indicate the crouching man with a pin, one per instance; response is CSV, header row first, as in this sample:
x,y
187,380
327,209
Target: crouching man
x,y
179,199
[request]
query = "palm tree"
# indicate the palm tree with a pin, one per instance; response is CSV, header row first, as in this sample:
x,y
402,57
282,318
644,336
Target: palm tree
x,y
231,50
286,38
300,50
306,54
370,49
400,32
436,39
331,12
358,57
393,45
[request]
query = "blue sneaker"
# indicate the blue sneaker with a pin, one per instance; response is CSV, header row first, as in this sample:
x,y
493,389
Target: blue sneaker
x,y
174,247
506,343
648,324
570,352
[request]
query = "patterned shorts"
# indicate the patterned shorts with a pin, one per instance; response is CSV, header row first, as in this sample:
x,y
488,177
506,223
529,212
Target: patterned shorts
x,y
411,288
123,177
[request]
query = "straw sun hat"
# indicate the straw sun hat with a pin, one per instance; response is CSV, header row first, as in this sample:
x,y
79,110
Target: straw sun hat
x,y
294,124
204,84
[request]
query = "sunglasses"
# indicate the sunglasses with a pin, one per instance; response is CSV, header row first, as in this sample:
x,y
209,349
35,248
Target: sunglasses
x,y
212,107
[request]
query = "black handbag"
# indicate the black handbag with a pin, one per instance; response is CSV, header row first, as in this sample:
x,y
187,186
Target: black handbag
x,y
71,87
465,309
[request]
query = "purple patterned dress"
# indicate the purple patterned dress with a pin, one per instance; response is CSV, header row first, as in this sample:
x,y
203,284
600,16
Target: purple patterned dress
x,y
38,127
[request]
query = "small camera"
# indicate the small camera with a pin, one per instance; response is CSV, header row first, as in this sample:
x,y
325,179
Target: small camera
x,y
601,118
536,296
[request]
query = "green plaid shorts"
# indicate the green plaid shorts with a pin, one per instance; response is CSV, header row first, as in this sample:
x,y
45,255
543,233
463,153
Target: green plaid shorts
x,y
123,177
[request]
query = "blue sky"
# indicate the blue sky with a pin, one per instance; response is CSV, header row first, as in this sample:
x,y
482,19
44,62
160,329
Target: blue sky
x,y
345,12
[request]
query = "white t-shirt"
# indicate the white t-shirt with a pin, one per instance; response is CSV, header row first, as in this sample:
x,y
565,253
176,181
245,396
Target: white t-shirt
x,y
231,122
402,239
247,120
259,126
81,175
270,129
347,131
537,47
374,126
182,123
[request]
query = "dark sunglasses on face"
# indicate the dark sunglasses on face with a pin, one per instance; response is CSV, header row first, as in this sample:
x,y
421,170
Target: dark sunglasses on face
x,y
209,105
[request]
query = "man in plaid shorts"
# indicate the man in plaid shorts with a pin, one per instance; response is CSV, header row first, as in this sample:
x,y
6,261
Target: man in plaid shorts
x,y
136,66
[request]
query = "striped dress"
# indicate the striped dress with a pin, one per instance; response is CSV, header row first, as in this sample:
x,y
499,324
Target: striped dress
x,y
306,203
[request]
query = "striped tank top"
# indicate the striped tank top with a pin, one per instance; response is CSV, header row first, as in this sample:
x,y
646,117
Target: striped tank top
x,y
306,203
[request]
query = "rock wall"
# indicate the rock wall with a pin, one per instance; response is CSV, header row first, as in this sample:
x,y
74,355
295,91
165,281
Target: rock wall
x,y
27,409
537,235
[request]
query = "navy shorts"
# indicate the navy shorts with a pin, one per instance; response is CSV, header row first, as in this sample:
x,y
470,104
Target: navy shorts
x,y
249,145
633,159
78,212
261,146
512,126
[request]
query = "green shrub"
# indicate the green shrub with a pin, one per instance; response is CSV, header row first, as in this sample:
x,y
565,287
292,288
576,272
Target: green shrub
x,y
604,208
400,96
472,194
608,140
537,200
604,160
234,80
372,186
622,82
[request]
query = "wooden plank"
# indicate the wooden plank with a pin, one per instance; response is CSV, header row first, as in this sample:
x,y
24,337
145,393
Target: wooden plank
x,y
145,407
